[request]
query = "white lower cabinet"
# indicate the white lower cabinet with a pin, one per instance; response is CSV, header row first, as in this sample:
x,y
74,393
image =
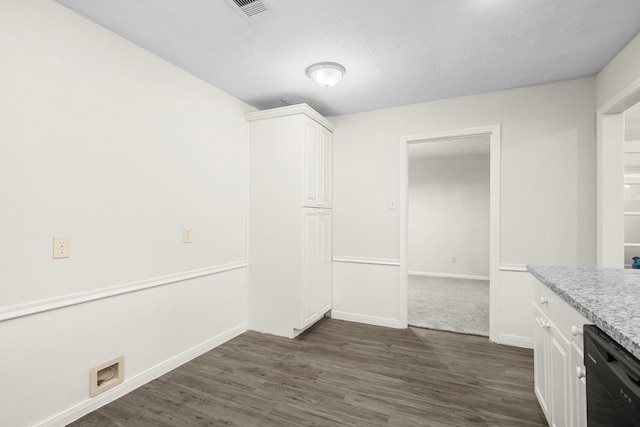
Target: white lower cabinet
x,y
541,354
579,387
316,266
326,261
579,378
558,364
290,284
560,369
551,369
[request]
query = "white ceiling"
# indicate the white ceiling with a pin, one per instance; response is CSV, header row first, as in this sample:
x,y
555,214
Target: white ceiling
x,y
396,52
459,146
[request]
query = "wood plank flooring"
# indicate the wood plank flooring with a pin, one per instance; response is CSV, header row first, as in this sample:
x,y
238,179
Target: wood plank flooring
x,y
339,374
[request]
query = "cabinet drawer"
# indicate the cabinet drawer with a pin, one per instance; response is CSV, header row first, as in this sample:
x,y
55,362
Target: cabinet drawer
x,y
577,323
558,311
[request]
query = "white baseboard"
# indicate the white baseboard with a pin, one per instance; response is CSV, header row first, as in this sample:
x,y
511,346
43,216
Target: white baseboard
x,y
130,384
453,276
369,320
515,340
367,260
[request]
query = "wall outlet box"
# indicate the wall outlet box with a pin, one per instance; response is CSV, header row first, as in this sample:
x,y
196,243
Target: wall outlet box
x,y
61,247
106,376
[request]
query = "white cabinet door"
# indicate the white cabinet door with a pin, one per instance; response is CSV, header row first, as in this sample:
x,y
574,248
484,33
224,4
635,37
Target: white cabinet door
x,y
579,387
310,286
316,265
325,261
541,359
317,153
560,374
325,179
312,164
578,375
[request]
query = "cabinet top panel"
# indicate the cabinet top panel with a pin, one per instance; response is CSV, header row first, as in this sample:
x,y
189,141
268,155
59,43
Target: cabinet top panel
x,y
290,110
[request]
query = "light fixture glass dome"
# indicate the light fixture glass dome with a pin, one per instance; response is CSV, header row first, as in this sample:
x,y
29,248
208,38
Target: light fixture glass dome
x,y
326,74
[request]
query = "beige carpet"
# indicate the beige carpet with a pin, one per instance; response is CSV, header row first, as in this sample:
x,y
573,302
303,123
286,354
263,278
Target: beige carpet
x,y
446,304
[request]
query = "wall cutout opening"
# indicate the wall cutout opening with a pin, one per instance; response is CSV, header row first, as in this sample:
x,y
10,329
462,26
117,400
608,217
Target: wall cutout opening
x,y
106,376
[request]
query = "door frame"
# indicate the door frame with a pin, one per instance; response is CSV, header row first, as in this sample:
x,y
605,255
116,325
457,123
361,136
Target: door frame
x,y
610,177
493,131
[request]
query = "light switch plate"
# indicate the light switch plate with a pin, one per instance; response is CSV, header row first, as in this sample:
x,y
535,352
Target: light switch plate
x,y
61,247
186,235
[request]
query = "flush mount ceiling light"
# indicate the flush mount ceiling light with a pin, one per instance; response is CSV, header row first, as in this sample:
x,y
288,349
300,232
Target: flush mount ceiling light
x,y
326,74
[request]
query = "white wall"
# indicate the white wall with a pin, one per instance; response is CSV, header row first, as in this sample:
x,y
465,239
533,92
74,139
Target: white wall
x,y
547,190
449,215
104,142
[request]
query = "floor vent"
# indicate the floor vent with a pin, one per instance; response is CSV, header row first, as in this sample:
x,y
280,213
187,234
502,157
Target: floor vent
x,y
252,8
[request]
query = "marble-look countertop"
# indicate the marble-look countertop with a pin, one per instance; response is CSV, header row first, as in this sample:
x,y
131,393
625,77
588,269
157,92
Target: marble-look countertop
x,y
609,297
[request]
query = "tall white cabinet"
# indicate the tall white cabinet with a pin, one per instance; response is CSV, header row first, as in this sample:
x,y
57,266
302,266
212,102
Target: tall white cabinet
x,y
290,217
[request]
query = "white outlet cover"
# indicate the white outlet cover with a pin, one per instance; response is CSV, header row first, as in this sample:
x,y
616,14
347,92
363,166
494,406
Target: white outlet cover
x,y
61,247
186,235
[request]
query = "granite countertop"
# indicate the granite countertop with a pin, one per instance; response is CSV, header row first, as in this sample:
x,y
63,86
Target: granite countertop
x,y
609,297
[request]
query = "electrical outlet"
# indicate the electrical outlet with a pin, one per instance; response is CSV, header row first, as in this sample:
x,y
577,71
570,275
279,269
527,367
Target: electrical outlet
x,y
186,235
392,204
61,247
454,259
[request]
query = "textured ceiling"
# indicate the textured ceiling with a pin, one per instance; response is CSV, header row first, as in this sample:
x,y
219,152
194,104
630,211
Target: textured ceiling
x,y
396,52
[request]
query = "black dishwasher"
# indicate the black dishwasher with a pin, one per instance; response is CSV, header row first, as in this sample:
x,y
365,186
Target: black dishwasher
x,y
613,382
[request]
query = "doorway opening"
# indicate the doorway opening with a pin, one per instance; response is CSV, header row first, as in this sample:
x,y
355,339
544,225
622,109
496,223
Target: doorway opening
x,y
618,195
437,259
448,235
632,187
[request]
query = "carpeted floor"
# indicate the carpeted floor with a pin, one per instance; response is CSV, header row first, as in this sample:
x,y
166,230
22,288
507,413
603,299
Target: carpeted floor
x,y
457,305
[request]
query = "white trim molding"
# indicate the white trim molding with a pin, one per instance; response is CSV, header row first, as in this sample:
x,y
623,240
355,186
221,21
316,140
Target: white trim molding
x,y
21,310
522,268
515,341
130,384
610,176
369,320
610,199
365,260
449,275
288,111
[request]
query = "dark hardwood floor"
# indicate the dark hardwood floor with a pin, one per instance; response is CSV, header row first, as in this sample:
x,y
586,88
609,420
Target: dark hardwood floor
x,y
339,374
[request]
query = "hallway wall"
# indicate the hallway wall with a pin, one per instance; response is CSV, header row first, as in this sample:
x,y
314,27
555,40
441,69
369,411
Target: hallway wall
x,y
449,215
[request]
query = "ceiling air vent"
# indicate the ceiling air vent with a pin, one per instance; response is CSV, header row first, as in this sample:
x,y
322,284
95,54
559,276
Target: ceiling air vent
x,y
251,9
